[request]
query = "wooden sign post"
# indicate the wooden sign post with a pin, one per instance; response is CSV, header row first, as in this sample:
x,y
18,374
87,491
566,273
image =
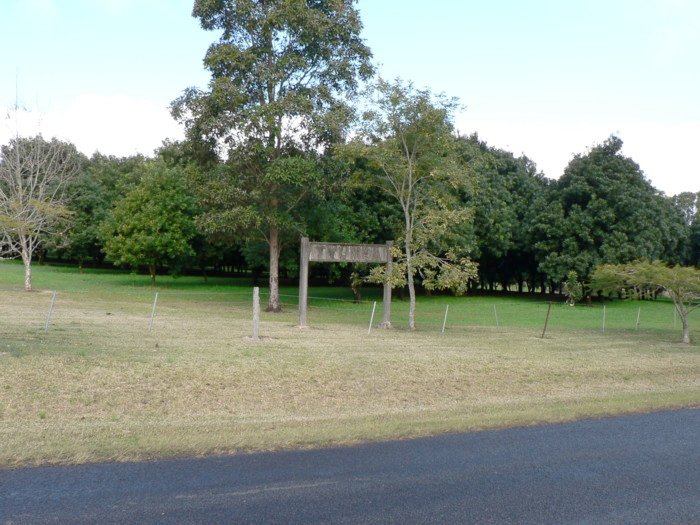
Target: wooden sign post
x,y
337,252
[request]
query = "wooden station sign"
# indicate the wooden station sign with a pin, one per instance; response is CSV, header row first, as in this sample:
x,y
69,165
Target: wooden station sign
x,y
359,253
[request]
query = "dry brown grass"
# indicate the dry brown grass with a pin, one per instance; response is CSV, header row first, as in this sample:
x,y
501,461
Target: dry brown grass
x,y
99,387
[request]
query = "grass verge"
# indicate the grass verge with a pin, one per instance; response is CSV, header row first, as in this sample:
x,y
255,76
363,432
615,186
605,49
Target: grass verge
x,y
99,387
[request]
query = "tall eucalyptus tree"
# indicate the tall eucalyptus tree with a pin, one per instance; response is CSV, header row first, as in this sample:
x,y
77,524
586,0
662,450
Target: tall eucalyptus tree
x,y
281,73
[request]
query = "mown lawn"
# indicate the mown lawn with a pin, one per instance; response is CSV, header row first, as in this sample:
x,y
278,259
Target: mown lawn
x,y
99,386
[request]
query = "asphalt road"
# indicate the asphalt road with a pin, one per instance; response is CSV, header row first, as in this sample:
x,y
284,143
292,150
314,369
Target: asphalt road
x,y
635,469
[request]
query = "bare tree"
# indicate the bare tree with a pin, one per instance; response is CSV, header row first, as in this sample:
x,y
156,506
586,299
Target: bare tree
x,y
34,176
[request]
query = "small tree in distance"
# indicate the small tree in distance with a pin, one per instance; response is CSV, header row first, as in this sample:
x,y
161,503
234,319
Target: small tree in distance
x,y
681,283
573,289
34,178
153,225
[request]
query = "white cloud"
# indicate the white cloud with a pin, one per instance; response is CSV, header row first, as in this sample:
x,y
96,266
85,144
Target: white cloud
x,y
115,125
664,151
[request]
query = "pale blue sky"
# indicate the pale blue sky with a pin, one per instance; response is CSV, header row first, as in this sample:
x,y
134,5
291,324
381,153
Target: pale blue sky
x,y
541,77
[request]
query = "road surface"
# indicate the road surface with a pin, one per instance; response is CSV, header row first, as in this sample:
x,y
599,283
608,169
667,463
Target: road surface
x,y
634,469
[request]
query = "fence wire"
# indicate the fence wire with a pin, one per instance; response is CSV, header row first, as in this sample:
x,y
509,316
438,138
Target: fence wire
x,y
222,311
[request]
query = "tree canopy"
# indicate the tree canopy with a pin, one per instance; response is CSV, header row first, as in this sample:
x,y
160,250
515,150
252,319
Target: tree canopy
x,y
280,72
34,178
507,188
408,145
102,181
681,283
603,210
153,225
274,150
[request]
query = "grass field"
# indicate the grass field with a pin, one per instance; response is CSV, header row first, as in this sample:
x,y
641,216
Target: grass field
x,y
99,386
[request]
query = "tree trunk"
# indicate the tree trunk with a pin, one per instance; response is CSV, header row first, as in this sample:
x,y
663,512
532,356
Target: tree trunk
x,y
273,304
686,327
357,295
411,294
409,278
152,271
27,260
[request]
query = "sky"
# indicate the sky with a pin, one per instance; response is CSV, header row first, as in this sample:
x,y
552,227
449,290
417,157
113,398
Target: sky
x,y
544,78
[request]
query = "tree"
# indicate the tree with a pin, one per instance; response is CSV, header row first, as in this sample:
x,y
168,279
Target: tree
x,y
102,181
154,224
506,188
603,210
407,140
573,289
681,283
695,242
689,205
34,178
279,71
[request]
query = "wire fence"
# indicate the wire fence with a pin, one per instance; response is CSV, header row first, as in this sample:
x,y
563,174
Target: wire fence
x,y
231,312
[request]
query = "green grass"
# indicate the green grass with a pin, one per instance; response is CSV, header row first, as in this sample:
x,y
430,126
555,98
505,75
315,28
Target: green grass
x,y
334,304
98,386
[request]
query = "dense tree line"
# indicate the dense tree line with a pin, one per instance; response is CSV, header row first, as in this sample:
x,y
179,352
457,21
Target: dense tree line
x,y
525,232
275,149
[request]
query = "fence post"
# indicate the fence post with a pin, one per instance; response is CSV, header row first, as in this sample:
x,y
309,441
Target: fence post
x,y
50,312
153,313
256,313
603,318
304,282
495,314
639,312
386,297
546,320
371,319
444,321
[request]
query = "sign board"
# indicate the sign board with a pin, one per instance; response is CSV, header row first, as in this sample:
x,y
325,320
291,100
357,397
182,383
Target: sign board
x,y
359,253
338,252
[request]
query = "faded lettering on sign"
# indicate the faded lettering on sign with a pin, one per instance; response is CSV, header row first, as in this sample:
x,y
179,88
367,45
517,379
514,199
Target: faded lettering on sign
x,y
333,252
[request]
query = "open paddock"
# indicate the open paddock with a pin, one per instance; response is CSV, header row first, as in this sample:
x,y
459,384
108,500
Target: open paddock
x,y
98,386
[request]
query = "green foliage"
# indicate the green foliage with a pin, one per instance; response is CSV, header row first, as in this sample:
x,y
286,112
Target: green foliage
x,y
90,207
681,283
103,181
406,148
507,189
689,205
695,242
275,62
153,225
573,289
603,210
279,74
651,276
